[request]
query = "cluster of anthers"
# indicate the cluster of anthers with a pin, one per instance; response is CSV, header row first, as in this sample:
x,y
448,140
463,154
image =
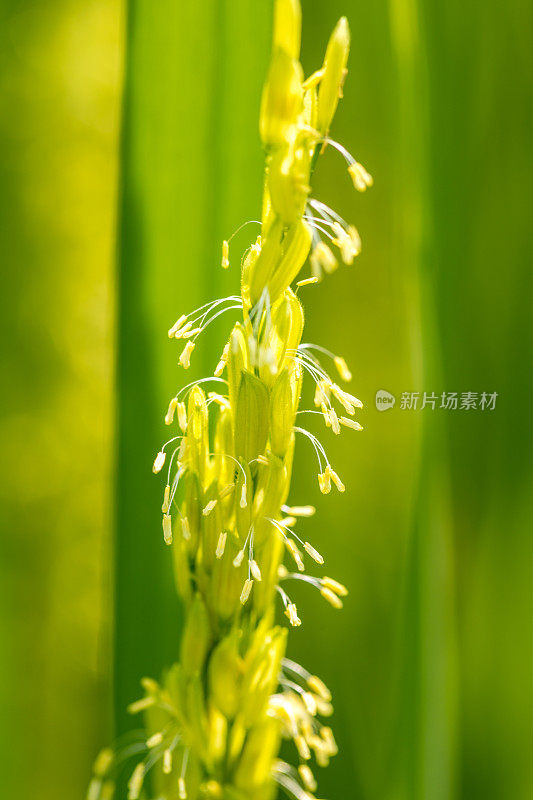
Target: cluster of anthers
x,y
217,718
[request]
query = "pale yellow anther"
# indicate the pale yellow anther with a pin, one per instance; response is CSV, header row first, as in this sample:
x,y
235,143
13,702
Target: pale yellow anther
x,y
135,782
141,705
221,544
342,368
181,332
307,281
324,482
239,558
149,685
322,260
209,507
159,462
345,243
177,325
182,416
169,417
307,777
302,747
329,739
315,555
167,762
360,177
254,569
243,503
334,420
225,254
295,553
334,586
335,478
288,522
351,423
222,363
331,597
185,529
319,687
226,491
263,460
166,500
246,589
299,511
292,613
94,790
353,233
185,357
154,740
282,572
103,761
188,334
219,399
310,703
182,789
167,528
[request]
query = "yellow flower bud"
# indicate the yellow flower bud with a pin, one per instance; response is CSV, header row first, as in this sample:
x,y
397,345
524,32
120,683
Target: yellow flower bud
x,y
287,27
196,637
251,417
282,99
281,414
334,73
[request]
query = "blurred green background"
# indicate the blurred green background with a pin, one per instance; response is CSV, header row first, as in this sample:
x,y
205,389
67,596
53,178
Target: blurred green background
x,y
110,231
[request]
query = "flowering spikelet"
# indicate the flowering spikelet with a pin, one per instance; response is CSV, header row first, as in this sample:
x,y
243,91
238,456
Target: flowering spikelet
x,y
216,721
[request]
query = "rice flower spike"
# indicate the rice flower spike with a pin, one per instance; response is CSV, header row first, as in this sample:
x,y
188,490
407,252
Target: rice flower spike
x,y
216,720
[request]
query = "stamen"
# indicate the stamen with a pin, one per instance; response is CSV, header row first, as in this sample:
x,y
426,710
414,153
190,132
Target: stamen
x,y
166,500
169,418
167,528
334,586
159,462
308,779
154,740
182,416
225,254
209,507
319,687
177,325
351,423
246,589
135,782
302,747
335,478
342,368
322,258
361,178
186,531
185,357
331,597
292,613
221,546
313,553
254,569
167,762
299,511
